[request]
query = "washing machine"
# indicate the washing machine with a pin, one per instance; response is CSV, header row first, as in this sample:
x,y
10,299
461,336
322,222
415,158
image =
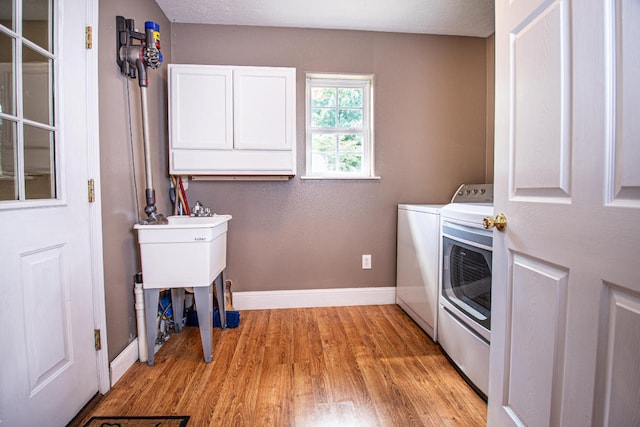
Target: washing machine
x,y
418,264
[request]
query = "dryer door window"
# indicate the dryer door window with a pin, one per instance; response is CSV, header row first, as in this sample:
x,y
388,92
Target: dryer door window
x,y
466,281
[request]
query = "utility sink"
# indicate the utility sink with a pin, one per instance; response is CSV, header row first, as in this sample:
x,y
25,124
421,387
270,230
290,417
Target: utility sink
x,y
189,251
197,221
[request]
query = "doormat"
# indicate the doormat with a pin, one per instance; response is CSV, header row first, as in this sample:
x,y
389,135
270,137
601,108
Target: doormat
x,y
168,421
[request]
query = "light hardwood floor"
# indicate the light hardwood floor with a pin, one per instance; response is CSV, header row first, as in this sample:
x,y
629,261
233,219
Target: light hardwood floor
x,y
338,366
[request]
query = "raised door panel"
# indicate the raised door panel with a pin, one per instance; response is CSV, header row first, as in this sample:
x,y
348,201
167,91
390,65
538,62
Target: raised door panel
x,y
624,151
537,314
201,107
47,329
619,370
541,131
264,108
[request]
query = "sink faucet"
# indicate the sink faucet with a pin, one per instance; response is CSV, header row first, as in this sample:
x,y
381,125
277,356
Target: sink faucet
x,y
199,210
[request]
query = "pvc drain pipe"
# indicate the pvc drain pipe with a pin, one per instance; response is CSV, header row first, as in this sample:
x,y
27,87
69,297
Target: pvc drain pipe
x,y
139,306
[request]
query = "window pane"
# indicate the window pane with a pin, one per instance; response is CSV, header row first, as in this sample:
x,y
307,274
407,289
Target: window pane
x,y
6,18
323,117
7,80
350,97
350,118
8,183
323,97
39,151
323,162
36,25
36,83
350,163
350,143
323,143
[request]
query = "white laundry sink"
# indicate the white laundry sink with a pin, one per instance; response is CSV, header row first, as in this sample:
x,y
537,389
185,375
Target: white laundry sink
x,y
186,252
197,221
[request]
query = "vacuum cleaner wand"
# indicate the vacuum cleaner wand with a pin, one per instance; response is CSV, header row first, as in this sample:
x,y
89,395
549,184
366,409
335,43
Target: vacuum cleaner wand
x,y
135,53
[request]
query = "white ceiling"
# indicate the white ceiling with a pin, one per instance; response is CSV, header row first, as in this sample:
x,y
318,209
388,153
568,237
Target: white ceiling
x,y
450,17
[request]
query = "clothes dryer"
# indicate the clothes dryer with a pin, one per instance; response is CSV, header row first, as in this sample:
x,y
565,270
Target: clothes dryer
x,y
464,309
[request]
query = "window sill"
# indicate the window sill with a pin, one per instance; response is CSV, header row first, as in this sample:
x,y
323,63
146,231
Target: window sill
x,y
348,178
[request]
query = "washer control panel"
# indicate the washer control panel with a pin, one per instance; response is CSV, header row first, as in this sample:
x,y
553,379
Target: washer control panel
x,y
473,193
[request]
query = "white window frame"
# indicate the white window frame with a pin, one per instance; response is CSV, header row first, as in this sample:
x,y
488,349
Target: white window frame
x,y
364,81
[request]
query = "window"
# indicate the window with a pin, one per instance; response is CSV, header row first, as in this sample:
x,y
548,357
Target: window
x,y
339,123
27,121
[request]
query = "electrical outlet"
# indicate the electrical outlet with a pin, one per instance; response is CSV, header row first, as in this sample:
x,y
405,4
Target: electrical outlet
x,y
366,262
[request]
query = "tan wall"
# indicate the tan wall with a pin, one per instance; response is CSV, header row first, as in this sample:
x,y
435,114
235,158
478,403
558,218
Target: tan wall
x,y
119,201
430,129
430,136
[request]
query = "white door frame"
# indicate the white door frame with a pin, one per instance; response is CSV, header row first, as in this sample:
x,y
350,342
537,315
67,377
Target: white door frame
x,y
95,211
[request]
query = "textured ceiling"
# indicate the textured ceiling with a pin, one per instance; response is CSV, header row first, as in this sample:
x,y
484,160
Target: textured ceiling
x,y
450,17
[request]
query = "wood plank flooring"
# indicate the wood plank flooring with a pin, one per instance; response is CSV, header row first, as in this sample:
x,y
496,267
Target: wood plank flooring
x,y
337,366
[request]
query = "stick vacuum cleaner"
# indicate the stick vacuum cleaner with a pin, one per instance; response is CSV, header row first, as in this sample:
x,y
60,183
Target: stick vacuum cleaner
x,y
135,52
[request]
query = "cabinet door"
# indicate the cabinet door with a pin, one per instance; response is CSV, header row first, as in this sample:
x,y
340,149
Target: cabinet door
x,y
201,107
264,108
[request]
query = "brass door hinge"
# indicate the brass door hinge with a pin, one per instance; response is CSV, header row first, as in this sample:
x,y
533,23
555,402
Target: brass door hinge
x,y
91,190
89,37
96,339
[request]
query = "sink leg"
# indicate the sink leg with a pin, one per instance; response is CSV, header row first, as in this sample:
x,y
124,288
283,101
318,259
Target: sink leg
x,y
177,304
222,309
151,317
204,302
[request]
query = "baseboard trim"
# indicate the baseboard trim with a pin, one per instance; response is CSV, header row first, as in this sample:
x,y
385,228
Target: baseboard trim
x,y
124,361
260,300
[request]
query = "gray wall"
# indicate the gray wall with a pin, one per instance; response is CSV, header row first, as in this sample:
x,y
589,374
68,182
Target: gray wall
x,y
430,135
120,96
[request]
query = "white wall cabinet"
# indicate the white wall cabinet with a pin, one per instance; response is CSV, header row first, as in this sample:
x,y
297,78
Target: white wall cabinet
x,y
231,120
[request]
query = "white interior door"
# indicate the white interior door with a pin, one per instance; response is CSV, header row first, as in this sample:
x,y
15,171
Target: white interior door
x,y
566,291
48,364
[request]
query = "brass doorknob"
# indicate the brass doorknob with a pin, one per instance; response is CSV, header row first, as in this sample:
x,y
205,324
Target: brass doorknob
x,y
499,222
